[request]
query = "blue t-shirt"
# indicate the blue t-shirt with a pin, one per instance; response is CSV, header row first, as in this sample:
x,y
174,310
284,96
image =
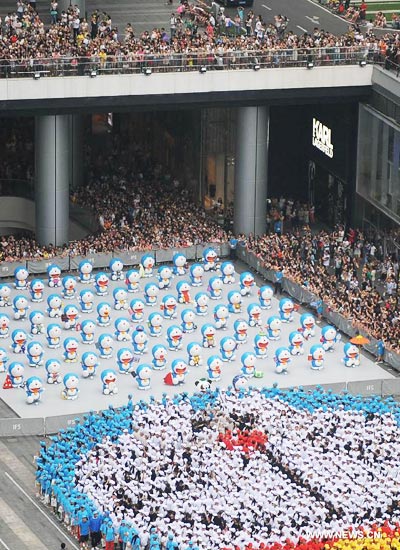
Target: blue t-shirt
x,y
381,347
84,527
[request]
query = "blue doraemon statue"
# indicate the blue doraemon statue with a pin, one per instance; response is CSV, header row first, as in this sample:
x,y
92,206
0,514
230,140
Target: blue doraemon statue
x,y
54,276
210,259
249,361
71,383
151,291
139,340
85,269
147,262
5,293
208,332
68,284
21,275
188,317
214,368
261,343
70,317
254,313
274,327
4,325
36,319
307,325
36,289
178,373
143,376
351,355
296,343
120,296
239,382
116,267
174,337
241,327
122,329
329,338
105,345
16,372
316,356
159,353
265,294
194,354
183,288
103,314
53,371
20,307
54,303
53,336
132,280
71,346
246,283
155,322
89,364
201,301
196,273
215,285
34,354
88,328
109,379
235,301
3,360
137,310
168,306
282,360
164,274
221,316
34,389
228,346
101,283
286,308
86,300
228,273
125,361
179,261
19,338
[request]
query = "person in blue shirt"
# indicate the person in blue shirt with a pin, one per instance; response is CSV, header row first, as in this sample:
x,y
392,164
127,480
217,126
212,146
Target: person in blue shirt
x,y
171,543
84,531
278,280
95,529
233,242
109,535
380,346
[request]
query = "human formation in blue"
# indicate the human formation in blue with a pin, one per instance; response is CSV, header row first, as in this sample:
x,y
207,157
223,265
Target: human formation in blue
x,y
143,311
69,470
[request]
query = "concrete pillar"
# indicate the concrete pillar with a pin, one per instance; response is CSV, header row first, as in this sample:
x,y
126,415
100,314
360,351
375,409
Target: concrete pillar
x,y
251,170
77,151
53,177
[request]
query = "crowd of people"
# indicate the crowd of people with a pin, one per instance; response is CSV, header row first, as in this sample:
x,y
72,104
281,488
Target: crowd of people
x,y
161,475
203,35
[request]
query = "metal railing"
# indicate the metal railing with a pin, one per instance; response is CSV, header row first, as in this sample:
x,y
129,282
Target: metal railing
x,y
136,63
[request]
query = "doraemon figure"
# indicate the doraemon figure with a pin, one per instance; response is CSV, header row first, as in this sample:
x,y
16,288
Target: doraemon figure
x,y
125,361
103,314
70,316
86,299
296,341
273,327
188,316
183,288
227,347
307,322
87,331
16,374
5,293
139,340
109,379
208,332
85,269
151,291
105,345
36,289
147,262
174,337
21,275
159,353
34,354
235,301
201,301
53,332
265,294
120,296
194,354
214,364
89,364
168,306
132,280
3,360
329,337
143,376
154,323
36,319
54,303
116,267
239,382
316,356
282,360
261,344
69,287
164,276
254,313
20,306
19,338
210,258
203,385
221,316
286,308
4,325
136,310
71,382
178,373
101,282
54,276
122,329
249,361
179,261
196,272
246,283
34,389
228,273
351,355
71,346
240,326
53,370
215,285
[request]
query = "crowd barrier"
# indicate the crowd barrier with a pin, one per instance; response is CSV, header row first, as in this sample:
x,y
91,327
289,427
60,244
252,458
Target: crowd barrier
x,y
304,296
18,427
102,260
